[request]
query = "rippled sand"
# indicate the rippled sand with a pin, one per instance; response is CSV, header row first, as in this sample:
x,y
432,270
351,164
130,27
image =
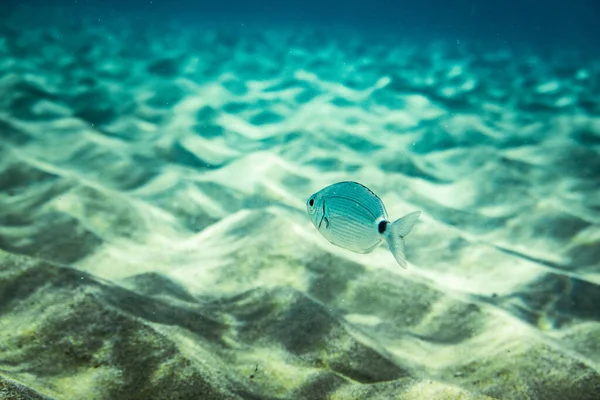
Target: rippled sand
x,y
155,244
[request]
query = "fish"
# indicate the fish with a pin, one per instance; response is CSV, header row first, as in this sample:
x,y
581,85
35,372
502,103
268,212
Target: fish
x,y
351,216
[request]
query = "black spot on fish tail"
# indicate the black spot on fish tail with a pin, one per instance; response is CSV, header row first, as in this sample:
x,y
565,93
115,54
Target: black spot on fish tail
x,y
382,226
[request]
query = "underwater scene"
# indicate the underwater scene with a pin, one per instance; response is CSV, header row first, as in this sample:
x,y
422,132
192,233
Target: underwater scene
x,y
299,200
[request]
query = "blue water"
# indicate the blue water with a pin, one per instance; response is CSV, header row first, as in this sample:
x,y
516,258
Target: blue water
x,y
572,24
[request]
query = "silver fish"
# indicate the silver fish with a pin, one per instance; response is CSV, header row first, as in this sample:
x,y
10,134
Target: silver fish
x,y
351,216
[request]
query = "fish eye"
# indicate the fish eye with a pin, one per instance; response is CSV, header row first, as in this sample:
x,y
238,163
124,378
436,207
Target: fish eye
x,y
311,202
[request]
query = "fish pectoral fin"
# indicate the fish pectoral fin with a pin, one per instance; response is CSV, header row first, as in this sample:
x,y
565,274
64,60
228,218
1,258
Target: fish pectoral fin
x,y
325,215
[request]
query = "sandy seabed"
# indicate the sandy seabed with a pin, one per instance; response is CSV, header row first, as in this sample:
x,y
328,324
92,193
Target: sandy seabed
x,y
154,242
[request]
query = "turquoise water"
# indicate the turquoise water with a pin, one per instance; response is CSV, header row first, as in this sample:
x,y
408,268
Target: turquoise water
x,y
155,162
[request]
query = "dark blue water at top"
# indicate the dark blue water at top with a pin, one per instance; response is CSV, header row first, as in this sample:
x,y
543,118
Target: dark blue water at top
x,y
570,24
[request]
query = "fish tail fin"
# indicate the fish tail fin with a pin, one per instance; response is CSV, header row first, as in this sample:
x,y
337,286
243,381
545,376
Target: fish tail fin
x,y
396,233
